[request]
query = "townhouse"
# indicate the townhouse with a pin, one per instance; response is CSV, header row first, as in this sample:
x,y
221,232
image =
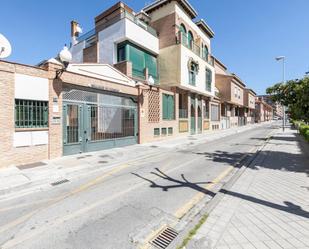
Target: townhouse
x,y
134,78
264,111
232,96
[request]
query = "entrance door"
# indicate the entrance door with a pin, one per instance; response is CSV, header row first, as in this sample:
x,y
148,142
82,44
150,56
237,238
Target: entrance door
x,y
72,128
192,118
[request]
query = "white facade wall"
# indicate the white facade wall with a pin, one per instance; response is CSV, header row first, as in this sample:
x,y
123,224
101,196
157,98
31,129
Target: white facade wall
x,y
30,87
30,138
123,30
200,85
180,12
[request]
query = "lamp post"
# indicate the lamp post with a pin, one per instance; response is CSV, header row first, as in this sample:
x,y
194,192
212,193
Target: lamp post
x,y
65,57
282,58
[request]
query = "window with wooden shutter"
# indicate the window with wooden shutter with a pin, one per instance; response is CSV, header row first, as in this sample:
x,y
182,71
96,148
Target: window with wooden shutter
x,y
168,103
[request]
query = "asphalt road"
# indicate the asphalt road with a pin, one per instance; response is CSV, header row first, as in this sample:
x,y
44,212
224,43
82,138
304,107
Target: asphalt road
x,y
126,206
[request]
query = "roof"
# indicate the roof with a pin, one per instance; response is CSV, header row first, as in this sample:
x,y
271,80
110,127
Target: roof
x,y
183,3
250,90
220,63
205,28
238,80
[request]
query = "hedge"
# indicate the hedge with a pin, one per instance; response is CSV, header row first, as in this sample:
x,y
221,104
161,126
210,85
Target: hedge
x,y
304,130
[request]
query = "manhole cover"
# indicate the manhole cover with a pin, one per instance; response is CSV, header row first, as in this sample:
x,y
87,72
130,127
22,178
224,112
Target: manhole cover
x,y
59,182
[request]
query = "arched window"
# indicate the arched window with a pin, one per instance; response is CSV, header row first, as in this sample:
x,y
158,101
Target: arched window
x,y
205,53
183,34
190,40
192,73
183,29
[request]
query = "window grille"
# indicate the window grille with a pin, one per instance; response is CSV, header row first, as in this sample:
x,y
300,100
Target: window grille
x,y
31,114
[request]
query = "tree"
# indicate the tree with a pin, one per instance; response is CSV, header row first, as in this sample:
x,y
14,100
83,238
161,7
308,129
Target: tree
x,y
295,95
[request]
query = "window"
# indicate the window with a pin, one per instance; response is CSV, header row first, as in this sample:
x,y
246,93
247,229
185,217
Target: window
x,y
214,113
156,132
31,114
192,74
140,59
164,131
183,32
121,53
205,52
170,131
190,40
208,79
168,107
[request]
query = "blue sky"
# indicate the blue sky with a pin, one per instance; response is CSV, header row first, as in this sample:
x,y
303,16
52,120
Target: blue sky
x,y
249,33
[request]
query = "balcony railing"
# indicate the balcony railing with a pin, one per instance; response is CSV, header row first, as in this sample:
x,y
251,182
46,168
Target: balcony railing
x,y
90,34
182,38
86,36
183,113
141,74
140,23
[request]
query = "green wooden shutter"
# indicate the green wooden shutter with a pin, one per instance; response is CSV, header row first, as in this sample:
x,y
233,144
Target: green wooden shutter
x,y
165,106
138,61
171,107
151,64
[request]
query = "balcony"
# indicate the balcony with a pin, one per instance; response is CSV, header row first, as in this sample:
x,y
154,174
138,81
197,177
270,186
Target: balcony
x,y
183,113
195,48
138,22
91,34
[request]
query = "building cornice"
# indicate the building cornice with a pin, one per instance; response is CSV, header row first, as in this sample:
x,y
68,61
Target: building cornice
x,y
183,3
205,28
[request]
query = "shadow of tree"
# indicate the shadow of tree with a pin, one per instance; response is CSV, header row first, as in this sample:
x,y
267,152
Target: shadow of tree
x,y
289,208
184,183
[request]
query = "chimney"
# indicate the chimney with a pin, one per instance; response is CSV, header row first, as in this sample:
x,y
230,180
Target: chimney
x,y
74,32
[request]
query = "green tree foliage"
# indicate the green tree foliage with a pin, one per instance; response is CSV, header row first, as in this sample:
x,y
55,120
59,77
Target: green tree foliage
x,y
295,95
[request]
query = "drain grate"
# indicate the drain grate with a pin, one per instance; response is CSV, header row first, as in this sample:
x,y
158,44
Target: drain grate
x,y
165,238
59,182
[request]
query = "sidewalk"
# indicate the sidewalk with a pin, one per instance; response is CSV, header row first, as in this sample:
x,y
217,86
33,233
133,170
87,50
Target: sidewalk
x,y
268,206
28,178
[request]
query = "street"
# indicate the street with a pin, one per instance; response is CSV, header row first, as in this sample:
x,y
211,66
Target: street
x,y
128,205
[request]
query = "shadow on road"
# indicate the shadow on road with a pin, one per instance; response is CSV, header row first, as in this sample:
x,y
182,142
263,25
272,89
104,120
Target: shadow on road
x,y
184,183
289,208
294,161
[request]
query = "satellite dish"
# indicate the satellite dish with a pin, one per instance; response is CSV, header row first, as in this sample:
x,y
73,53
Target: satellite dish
x,y
5,47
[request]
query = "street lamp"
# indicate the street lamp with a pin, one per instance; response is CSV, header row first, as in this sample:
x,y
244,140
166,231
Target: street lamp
x,y
282,58
65,57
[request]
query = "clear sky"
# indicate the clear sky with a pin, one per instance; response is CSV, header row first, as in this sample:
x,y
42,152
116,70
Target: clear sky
x,y
248,33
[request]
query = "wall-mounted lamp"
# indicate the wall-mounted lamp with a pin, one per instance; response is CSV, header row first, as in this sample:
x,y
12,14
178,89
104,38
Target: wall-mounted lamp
x,y
65,57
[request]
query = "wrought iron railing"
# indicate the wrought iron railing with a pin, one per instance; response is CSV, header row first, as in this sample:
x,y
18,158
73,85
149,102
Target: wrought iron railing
x,y
183,113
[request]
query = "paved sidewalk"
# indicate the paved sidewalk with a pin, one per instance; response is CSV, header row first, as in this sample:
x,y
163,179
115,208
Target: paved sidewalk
x,y
268,206
25,179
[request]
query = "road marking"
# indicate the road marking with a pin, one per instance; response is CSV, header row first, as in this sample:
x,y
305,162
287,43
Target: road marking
x,y
199,196
32,233
179,213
